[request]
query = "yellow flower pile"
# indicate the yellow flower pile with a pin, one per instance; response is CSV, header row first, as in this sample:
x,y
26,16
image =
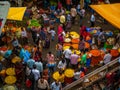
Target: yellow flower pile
x,y
69,73
16,59
77,52
67,35
74,35
3,72
1,57
10,80
66,47
56,75
10,71
119,50
67,40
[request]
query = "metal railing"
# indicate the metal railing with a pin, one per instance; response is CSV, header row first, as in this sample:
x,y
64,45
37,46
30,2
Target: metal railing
x,y
113,62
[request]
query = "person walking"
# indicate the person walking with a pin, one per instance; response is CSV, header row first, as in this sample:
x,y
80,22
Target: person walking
x,y
36,76
62,64
74,60
107,58
39,66
30,62
51,61
67,53
42,84
73,12
92,20
56,85
52,32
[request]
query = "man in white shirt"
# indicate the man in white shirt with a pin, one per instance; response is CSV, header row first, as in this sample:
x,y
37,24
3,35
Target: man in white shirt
x,y
107,58
62,64
24,36
67,54
36,75
52,34
92,20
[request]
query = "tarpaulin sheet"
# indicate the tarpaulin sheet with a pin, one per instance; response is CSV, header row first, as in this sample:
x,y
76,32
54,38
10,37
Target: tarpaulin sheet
x,y
4,7
110,12
16,13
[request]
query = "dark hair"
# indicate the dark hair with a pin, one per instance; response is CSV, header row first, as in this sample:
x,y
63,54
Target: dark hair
x,y
49,52
34,66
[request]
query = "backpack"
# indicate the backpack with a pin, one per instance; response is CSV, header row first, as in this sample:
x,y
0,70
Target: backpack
x,y
31,76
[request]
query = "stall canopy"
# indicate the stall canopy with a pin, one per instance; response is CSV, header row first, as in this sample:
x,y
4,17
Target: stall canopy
x,y
16,13
110,12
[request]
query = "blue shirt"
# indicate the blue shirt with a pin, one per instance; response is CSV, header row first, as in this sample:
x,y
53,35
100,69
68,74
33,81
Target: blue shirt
x,y
39,66
30,63
55,87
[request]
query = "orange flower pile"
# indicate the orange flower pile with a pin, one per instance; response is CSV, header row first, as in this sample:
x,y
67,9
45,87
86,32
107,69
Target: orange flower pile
x,y
75,46
95,52
114,52
87,45
75,40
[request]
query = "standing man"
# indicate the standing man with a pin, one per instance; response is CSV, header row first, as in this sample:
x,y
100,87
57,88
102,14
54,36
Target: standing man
x,y
30,62
68,4
39,66
67,54
107,58
52,32
56,85
74,60
73,12
36,76
92,20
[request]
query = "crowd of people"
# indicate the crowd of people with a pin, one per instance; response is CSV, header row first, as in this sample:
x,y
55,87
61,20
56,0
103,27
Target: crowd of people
x,y
37,71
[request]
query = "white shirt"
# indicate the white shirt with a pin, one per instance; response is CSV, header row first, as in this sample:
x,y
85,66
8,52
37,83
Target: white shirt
x,y
77,75
82,12
78,6
43,85
61,65
36,74
52,32
55,87
107,58
67,53
92,18
24,33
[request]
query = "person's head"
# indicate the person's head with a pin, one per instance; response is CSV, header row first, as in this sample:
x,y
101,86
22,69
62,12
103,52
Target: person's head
x,y
74,52
63,60
81,25
101,30
49,52
41,79
60,71
56,82
71,48
34,66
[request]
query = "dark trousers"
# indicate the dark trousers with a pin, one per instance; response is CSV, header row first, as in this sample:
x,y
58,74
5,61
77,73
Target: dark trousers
x,y
74,66
92,24
73,20
68,61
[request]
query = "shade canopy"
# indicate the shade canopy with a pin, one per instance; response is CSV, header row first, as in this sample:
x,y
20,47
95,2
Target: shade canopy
x,y
16,13
110,12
